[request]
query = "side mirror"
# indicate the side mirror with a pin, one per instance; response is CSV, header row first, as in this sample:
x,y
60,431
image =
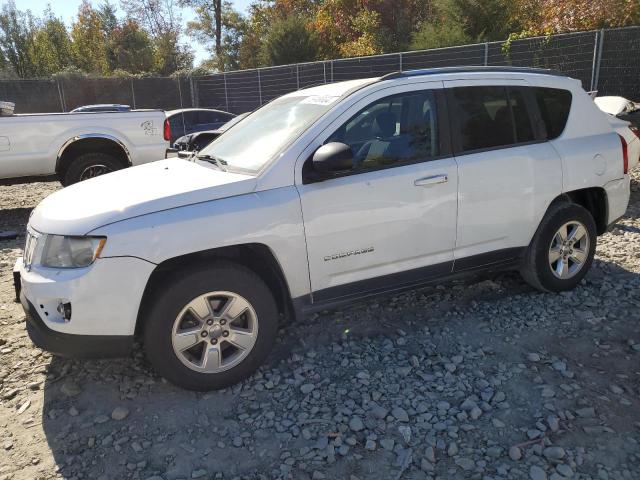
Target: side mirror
x,y
332,158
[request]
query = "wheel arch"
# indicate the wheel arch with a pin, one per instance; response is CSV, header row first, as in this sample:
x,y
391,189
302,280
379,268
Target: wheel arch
x,y
593,199
257,257
91,142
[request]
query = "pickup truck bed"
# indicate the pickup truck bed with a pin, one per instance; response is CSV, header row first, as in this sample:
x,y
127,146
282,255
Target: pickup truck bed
x,y
75,146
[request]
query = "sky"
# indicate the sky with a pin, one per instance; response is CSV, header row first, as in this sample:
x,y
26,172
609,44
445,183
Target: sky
x,y
67,9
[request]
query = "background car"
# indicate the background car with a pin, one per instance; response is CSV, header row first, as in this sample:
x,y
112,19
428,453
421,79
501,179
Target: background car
x,y
196,141
188,120
620,107
102,107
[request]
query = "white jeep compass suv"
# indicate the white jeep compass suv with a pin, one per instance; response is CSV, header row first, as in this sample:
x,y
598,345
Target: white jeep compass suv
x,y
321,197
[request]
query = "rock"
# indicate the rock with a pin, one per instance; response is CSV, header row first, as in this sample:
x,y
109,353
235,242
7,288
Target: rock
x,y
387,443
307,388
24,406
554,453
73,411
616,389
400,414
564,470
453,449
120,413
405,431
494,452
237,441
430,454
515,453
475,413
426,466
498,423
553,422
356,424
537,473
370,445
586,412
70,389
533,357
101,419
379,412
465,464
318,475
199,473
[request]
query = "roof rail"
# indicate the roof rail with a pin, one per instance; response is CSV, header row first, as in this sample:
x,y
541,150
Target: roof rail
x,y
433,71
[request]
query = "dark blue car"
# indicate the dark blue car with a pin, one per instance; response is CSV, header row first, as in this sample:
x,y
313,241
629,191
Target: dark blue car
x,y
188,120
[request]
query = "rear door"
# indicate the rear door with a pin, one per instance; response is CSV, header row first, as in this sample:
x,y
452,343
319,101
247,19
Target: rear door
x,y
507,172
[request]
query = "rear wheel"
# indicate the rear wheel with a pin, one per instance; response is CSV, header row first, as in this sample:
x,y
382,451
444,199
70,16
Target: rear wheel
x,y
562,249
212,327
90,165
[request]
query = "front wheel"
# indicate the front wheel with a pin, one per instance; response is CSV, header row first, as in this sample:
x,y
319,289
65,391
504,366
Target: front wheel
x,y
211,327
562,249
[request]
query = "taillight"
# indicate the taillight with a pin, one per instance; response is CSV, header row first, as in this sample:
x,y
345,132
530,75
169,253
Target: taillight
x,y
625,155
167,130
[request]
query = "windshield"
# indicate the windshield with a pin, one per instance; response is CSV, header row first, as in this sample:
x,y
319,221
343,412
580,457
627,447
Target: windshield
x,y
264,133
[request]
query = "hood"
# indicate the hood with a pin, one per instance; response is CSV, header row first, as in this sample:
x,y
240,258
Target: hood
x,y
85,206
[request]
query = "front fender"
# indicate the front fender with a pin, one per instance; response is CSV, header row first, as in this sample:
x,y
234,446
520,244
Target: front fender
x,y
272,218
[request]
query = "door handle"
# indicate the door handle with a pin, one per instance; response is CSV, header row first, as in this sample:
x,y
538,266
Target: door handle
x,y
432,180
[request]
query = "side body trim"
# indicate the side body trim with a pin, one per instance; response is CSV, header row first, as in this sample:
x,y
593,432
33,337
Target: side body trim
x,y
341,295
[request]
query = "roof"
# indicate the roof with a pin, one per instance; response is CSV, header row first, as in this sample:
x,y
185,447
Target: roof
x,y
477,69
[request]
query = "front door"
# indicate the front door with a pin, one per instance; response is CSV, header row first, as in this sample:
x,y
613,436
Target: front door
x,y
391,221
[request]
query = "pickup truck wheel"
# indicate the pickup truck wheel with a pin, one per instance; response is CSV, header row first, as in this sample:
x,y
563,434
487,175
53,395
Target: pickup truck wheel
x,y
211,327
89,165
562,249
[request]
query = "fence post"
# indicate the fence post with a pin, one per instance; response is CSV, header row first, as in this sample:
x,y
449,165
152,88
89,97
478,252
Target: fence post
x,y
193,97
226,95
297,76
61,95
259,88
400,60
324,69
133,95
331,71
597,58
486,53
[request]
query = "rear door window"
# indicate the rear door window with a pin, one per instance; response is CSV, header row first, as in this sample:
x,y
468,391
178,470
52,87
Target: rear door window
x,y
554,105
489,117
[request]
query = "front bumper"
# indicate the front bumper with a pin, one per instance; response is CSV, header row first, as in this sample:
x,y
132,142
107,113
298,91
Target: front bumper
x,y
69,345
104,299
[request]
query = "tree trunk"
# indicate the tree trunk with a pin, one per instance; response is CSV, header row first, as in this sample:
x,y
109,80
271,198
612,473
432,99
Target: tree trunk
x,y
218,12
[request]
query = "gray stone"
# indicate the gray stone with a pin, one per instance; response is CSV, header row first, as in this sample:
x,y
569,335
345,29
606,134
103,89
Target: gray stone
x,y
120,413
554,453
70,389
515,453
307,388
537,473
199,473
387,443
564,470
400,414
586,412
356,424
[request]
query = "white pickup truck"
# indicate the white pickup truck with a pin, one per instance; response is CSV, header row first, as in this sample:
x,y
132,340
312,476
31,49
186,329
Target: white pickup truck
x,y
77,146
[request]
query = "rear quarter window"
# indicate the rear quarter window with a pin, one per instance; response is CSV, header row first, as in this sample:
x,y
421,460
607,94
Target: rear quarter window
x,y
554,105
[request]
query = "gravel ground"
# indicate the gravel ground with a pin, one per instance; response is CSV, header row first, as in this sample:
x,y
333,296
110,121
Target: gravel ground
x,y
482,378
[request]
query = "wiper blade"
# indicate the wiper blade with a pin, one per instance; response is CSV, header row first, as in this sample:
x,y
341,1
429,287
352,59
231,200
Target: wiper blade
x,y
215,160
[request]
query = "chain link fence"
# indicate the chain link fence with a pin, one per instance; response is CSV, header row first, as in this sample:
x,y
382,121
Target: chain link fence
x,y
604,60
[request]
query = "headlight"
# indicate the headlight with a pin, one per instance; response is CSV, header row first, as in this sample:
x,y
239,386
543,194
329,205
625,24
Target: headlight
x,y
70,252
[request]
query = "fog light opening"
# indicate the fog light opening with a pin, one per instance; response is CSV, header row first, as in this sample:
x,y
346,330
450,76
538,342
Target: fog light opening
x,y
64,309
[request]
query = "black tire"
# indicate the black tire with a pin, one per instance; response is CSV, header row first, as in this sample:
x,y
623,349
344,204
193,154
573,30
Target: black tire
x,y
537,270
171,298
79,166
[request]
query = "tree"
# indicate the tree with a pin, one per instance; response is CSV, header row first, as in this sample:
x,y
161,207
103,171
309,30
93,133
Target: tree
x,y
16,37
51,50
132,48
89,41
209,23
289,41
437,35
161,18
557,16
